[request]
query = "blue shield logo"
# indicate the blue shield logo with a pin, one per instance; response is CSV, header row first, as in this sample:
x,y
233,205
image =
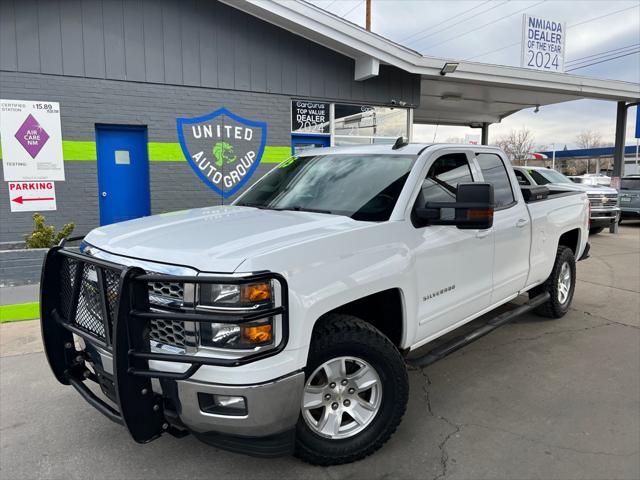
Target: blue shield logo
x,y
223,148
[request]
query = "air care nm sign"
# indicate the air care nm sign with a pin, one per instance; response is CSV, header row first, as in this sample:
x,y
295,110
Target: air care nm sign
x,y
543,44
31,139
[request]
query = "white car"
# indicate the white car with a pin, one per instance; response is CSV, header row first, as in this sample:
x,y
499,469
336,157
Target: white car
x,y
605,208
282,323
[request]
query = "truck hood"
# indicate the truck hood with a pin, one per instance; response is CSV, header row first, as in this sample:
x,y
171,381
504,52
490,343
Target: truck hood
x,y
214,239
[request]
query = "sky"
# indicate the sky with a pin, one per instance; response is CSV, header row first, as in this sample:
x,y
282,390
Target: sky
x,y
489,31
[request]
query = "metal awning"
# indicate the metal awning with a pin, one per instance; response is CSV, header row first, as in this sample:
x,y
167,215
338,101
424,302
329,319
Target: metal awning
x,y
475,93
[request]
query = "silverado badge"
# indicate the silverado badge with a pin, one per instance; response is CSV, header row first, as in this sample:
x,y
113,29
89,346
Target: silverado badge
x,y
223,148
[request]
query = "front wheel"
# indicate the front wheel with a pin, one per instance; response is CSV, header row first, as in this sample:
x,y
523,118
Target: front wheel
x,y
560,285
355,393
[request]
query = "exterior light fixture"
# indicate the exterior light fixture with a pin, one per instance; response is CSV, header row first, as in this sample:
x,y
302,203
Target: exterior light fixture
x,y
449,67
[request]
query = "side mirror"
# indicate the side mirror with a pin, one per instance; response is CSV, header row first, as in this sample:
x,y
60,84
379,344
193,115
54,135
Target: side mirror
x,y
473,208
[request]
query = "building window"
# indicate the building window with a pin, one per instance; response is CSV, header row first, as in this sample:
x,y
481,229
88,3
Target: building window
x,y
364,124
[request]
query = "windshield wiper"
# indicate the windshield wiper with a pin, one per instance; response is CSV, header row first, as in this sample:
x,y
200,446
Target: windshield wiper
x,y
254,205
303,209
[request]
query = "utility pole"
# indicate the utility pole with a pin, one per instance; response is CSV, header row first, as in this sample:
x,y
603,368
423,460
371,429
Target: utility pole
x,y
368,19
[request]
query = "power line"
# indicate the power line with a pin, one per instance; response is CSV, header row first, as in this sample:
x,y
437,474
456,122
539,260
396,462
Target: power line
x,y
344,15
570,26
487,24
606,53
453,24
445,21
602,61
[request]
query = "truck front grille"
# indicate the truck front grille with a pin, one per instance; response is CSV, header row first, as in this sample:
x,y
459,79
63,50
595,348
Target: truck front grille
x,y
598,200
168,290
168,333
88,314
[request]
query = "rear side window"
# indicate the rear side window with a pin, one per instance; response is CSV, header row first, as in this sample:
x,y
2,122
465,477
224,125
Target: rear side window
x,y
495,173
441,182
522,180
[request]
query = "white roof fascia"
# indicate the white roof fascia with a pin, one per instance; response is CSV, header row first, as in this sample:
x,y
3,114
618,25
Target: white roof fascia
x,y
331,31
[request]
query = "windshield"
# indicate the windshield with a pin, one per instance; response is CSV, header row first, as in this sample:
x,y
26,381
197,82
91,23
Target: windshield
x,y
542,177
363,187
630,184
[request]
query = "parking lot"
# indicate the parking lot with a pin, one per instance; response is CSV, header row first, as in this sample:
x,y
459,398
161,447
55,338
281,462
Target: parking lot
x,y
536,399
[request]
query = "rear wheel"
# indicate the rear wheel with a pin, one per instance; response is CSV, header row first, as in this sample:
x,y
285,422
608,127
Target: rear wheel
x,y
595,230
355,393
560,285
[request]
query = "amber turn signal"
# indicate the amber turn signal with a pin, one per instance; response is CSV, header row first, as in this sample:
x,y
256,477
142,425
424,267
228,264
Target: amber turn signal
x,y
258,335
256,292
479,214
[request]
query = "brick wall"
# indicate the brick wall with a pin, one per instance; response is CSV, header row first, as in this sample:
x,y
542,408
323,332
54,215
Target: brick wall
x,y
20,267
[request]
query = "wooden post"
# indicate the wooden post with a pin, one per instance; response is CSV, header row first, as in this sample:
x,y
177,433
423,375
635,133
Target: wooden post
x,y
368,20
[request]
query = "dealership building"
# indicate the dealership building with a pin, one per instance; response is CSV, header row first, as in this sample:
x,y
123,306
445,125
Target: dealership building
x,y
171,105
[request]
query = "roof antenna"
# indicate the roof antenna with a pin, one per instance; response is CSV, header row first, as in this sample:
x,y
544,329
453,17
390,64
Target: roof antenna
x,y
400,142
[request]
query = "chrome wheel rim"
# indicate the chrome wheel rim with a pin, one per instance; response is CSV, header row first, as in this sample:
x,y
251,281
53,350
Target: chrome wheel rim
x,y
564,283
341,397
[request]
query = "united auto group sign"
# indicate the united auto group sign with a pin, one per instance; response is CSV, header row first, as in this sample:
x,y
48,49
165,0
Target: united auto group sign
x,y
222,148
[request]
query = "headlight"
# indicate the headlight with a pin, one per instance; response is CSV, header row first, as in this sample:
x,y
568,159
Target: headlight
x,y
238,336
251,295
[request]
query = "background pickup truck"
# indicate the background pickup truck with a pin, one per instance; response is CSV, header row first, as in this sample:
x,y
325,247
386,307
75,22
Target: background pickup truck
x,y
283,323
605,210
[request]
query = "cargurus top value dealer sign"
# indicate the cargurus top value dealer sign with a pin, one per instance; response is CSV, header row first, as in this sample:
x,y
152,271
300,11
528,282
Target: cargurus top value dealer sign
x,y
543,44
223,148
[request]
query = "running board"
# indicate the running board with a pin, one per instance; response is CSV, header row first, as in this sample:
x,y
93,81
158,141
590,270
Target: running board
x,y
457,343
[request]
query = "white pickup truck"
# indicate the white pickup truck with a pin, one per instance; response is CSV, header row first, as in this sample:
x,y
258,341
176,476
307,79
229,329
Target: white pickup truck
x,y
283,323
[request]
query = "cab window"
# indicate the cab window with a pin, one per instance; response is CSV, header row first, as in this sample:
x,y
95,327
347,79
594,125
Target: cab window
x,y
441,182
522,180
495,173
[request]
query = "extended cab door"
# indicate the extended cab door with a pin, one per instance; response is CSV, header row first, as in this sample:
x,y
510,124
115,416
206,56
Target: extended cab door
x,y
452,266
511,226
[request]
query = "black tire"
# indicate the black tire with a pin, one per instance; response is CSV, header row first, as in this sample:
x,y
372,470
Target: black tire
x,y
344,335
554,308
595,230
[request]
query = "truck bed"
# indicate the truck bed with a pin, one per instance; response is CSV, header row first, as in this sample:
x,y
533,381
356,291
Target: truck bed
x,y
537,193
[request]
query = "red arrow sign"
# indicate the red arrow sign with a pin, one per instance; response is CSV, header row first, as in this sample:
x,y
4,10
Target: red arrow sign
x,y
20,200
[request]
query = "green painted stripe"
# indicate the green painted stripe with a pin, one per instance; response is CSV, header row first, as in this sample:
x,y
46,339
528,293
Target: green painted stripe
x,y
77,150
275,154
19,311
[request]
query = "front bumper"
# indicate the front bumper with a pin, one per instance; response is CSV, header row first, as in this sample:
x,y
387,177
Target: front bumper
x,y
272,407
603,217
107,306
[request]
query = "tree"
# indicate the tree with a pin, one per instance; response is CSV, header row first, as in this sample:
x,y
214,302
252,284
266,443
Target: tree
x,y
589,139
517,144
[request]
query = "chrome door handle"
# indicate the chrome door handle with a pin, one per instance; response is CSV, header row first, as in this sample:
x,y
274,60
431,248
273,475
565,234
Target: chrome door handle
x,y
482,233
522,222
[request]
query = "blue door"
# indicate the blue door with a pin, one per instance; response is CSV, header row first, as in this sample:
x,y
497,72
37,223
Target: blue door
x,y
300,142
123,173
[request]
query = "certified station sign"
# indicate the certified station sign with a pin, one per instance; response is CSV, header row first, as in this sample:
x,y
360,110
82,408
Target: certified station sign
x,y
32,196
543,44
31,139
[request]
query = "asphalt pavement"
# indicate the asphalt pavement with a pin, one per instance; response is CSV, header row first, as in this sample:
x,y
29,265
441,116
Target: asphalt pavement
x,y
538,398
